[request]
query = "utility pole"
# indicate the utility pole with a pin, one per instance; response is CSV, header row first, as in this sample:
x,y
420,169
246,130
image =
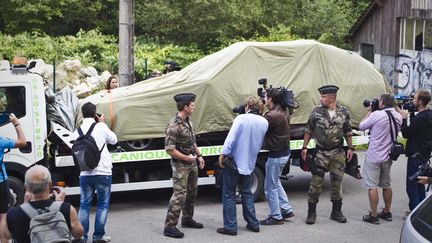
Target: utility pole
x,y
126,42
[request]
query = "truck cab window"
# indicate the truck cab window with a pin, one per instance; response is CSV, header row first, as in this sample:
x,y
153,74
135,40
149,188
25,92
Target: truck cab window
x,y
12,100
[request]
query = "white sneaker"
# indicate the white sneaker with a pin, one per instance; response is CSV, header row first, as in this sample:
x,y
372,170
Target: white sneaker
x,y
104,239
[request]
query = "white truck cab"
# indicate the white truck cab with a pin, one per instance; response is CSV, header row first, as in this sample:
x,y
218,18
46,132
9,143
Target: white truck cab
x,y
22,93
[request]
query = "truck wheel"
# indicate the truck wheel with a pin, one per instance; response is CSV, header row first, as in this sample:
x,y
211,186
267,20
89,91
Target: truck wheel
x,y
16,188
135,145
258,184
257,187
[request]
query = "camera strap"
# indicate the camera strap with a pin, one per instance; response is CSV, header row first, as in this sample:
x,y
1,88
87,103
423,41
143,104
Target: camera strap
x,y
392,121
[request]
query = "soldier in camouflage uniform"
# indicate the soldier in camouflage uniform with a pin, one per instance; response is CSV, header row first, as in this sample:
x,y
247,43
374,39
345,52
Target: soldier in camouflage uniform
x,y
181,146
328,124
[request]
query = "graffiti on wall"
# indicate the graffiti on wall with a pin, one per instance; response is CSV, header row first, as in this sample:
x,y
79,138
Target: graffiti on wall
x,y
412,70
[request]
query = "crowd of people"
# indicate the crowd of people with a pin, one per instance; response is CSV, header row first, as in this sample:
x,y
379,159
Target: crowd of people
x,y
329,124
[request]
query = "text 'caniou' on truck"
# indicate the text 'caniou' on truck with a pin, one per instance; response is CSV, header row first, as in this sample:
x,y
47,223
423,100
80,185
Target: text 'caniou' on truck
x,y
139,113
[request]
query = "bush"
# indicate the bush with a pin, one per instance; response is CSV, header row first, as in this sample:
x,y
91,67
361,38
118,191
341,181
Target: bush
x,y
94,49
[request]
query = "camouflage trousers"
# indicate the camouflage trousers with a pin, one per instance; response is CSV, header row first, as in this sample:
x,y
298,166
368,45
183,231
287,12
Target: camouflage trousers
x,y
185,179
333,161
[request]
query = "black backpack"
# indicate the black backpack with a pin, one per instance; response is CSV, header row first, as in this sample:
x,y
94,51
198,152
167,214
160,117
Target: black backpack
x,y
85,152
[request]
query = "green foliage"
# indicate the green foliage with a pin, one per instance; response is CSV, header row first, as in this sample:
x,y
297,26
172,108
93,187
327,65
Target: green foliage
x,y
94,49
157,54
182,31
58,17
207,25
91,48
325,20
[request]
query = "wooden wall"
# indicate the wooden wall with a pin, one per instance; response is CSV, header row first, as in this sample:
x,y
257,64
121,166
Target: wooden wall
x,y
381,28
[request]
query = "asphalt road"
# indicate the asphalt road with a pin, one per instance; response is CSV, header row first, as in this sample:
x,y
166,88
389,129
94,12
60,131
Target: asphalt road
x,y
139,216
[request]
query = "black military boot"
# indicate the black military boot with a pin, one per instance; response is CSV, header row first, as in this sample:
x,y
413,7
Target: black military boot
x,y
173,232
311,217
190,223
336,213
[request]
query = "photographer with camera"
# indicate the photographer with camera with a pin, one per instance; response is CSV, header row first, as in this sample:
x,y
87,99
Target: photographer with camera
x,y
38,184
276,141
329,124
419,140
377,165
99,179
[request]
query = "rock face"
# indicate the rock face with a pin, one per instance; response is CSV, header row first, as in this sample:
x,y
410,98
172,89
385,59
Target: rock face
x,y
82,80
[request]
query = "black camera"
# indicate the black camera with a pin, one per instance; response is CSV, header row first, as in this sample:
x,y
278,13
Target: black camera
x,y
287,94
56,189
405,102
261,91
424,168
374,104
241,109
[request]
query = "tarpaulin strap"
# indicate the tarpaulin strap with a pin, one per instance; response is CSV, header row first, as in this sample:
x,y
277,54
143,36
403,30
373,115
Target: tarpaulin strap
x,y
111,111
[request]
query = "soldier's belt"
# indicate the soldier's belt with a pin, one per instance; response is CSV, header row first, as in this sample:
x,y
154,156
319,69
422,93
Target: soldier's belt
x,y
328,149
183,150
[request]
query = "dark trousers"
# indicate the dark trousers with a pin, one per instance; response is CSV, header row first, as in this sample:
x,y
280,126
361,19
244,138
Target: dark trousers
x,y
416,191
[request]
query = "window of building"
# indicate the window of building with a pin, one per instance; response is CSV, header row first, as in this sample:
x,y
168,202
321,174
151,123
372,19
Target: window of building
x,y
367,51
428,35
409,34
12,100
416,34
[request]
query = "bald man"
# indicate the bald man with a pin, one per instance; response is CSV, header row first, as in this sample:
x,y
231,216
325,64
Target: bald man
x,y
38,183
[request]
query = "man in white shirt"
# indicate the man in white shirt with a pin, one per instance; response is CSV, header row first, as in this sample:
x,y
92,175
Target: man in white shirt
x,y
99,179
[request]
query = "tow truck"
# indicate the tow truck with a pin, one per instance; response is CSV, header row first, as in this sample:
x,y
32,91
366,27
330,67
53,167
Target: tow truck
x,y
49,144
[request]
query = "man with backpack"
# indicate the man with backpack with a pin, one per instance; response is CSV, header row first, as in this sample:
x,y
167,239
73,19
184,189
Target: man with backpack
x,y
6,143
45,219
95,175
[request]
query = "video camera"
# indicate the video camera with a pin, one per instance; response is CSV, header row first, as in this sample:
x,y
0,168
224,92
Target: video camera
x,y
374,104
287,101
405,102
424,168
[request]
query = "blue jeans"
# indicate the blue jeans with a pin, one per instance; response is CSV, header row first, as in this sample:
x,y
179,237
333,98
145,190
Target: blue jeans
x,y
88,185
275,194
416,191
231,179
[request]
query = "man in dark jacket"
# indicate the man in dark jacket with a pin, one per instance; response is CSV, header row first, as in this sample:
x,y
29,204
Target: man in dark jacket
x,y
419,135
277,142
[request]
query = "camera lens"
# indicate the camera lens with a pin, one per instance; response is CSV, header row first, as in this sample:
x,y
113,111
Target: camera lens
x,y
262,81
366,103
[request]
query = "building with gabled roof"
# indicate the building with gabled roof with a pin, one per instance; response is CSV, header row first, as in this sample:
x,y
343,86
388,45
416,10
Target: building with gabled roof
x,y
396,35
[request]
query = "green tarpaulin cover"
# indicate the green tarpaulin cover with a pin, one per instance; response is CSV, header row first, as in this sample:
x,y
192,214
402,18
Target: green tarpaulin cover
x,y
224,79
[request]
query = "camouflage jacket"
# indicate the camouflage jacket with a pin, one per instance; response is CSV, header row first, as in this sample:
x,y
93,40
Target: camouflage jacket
x,y
329,132
179,135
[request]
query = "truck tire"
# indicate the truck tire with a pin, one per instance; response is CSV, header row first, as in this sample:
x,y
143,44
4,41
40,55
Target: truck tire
x,y
136,145
16,188
257,187
258,184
